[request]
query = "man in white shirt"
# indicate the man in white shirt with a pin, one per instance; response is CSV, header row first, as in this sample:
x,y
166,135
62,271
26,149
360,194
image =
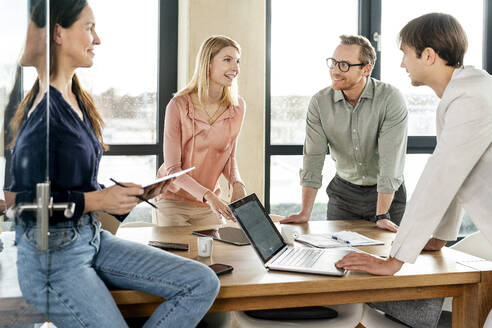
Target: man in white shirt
x,y
459,173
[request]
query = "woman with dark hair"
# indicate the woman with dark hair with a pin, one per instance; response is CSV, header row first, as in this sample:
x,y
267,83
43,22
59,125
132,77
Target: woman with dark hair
x,y
68,281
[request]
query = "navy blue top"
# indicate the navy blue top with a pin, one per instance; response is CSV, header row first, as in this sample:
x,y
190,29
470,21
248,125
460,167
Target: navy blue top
x,y
74,156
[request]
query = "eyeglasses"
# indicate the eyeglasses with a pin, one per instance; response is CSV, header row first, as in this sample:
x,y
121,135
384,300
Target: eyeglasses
x,y
343,66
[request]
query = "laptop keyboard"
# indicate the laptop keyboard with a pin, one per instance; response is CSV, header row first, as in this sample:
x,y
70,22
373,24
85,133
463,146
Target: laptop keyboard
x,y
299,257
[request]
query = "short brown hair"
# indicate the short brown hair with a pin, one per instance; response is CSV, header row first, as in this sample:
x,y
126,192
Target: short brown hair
x,y
441,32
367,53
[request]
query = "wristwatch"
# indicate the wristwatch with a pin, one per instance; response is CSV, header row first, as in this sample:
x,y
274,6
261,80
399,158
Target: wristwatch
x,y
383,216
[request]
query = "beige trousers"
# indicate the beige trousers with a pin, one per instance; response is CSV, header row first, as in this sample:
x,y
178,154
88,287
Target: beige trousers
x,y
175,213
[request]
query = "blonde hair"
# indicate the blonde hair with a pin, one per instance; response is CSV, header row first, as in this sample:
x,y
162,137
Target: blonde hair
x,y
200,80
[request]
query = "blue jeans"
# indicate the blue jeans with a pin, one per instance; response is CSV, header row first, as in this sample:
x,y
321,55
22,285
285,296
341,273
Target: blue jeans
x,y
69,281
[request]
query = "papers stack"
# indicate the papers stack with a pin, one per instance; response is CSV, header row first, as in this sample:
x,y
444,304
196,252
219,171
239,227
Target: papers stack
x,y
337,239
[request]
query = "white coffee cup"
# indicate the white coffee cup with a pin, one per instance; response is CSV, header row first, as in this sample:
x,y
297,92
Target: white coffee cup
x,y
205,246
289,233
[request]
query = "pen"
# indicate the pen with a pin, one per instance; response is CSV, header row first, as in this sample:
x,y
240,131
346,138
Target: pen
x,y
138,196
340,240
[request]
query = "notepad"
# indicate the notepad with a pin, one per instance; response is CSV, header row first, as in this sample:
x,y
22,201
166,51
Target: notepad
x,y
146,185
337,239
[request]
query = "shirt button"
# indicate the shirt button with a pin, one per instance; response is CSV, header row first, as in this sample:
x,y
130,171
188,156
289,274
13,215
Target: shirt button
x,y
354,130
356,148
360,163
363,177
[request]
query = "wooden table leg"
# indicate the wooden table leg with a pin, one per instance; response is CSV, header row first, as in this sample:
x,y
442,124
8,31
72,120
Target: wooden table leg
x,y
485,296
466,308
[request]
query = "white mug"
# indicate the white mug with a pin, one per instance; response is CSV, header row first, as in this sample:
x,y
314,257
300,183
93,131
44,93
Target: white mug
x,y
289,233
205,245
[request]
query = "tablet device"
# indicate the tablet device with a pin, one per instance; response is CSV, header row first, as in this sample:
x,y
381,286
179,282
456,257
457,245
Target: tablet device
x,y
229,235
167,177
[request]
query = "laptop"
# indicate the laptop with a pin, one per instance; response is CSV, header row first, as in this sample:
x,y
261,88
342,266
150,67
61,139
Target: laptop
x,y
271,248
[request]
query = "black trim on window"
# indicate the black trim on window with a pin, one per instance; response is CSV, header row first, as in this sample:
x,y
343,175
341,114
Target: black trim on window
x,y
132,150
421,144
168,65
487,37
268,148
369,24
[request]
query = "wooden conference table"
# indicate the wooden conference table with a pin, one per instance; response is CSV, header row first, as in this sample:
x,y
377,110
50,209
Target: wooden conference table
x,y
435,274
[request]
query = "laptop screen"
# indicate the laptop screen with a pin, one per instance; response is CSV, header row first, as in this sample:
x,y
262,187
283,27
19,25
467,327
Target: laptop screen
x,y
258,226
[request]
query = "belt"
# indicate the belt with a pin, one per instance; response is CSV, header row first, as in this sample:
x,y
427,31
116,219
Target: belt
x,y
366,186
57,223
353,184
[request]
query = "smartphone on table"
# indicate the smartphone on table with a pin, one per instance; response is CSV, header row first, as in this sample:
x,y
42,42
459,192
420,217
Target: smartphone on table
x,y
169,246
220,268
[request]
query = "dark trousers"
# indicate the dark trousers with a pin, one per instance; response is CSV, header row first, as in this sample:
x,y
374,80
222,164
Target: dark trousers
x,y
347,201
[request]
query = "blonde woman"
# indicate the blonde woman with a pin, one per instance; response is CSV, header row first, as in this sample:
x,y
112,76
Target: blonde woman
x,y
202,125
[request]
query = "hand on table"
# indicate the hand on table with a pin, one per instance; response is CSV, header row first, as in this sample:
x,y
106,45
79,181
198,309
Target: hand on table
x,y
296,218
434,244
369,263
386,224
218,206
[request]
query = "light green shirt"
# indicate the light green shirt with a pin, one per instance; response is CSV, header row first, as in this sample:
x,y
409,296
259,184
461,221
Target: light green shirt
x,y
367,142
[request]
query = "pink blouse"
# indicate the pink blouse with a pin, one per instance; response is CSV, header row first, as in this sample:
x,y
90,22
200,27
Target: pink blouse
x,y
189,141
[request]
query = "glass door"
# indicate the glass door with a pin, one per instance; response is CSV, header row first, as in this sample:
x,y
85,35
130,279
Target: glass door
x,y
23,153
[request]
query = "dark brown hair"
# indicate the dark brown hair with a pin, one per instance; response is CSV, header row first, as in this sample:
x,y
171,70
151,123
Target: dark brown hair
x,y
441,32
38,17
63,13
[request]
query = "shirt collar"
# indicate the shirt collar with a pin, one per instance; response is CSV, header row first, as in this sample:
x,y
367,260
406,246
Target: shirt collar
x,y
368,92
229,113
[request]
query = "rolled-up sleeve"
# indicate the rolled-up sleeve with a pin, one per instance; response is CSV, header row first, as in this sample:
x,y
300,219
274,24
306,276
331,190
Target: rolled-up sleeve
x,y
466,134
392,144
315,148
231,170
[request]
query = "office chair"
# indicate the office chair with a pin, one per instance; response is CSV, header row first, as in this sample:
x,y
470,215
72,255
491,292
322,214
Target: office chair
x,y
349,316
475,244
488,321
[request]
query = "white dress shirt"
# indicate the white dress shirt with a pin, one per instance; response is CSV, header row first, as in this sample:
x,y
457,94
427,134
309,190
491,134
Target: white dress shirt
x,y
458,175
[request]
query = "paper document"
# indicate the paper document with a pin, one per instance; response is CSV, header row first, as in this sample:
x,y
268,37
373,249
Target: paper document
x,y
319,240
337,239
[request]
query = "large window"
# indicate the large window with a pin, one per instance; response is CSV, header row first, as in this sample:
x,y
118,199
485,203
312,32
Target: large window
x,y
123,79
131,81
422,101
303,36
133,78
300,36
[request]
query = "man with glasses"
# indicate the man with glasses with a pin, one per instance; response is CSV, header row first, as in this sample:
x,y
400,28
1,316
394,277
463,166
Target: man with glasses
x,y
363,122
